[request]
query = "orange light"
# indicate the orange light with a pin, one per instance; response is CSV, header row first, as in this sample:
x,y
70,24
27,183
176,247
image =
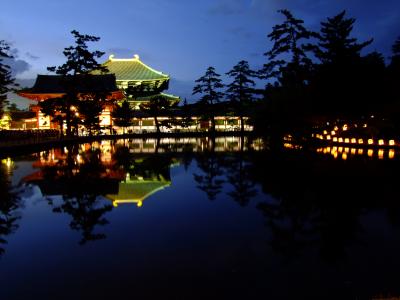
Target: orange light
x,y
360,141
391,142
391,153
344,156
335,139
328,137
370,152
346,140
370,141
353,141
381,142
381,154
340,140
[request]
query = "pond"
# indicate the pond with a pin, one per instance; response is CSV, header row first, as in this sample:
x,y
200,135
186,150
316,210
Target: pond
x,y
197,219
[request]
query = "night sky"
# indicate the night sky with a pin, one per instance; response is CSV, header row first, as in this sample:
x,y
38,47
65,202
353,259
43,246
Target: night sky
x,y
179,37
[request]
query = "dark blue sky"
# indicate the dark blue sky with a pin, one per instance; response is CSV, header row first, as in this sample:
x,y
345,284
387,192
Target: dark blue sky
x,y
179,37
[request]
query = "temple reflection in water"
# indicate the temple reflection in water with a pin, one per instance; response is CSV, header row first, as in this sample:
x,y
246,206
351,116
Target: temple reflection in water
x,y
121,171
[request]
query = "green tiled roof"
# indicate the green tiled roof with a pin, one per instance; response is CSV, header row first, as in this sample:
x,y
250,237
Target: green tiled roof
x,y
164,95
132,69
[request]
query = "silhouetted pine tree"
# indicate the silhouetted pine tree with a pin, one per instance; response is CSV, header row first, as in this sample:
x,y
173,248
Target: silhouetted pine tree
x,y
122,115
208,86
240,92
289,40
339,80
286,100
6,78
80,61
155,107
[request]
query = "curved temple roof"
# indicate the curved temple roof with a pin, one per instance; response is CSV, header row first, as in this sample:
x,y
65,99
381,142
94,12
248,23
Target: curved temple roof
x,y
132,69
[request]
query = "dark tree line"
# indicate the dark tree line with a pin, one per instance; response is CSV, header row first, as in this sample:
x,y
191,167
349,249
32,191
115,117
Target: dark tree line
x,y
310,78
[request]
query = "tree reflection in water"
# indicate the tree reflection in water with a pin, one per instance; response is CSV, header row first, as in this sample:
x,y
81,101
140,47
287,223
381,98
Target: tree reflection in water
x,y
310,202
10,203
318,202
238,174
81,178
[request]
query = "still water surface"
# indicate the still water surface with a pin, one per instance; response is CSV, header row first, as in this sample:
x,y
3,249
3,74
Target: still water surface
x,y
197,219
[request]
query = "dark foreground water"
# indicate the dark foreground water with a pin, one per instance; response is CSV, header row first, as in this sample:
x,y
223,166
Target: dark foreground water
x,y
193,219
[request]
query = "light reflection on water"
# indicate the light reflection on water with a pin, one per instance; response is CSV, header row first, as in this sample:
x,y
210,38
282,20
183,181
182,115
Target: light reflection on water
x,y
199,216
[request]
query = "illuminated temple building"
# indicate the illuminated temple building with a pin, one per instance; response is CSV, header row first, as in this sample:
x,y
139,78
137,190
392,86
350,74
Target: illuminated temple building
x,y
138,81
127,78
132,80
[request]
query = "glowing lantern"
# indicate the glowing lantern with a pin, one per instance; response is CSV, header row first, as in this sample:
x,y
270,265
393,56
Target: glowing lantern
x,y
391,153
340,140
346,150
335,139
360,151
370,141
381,142
328,137
344,156
360,141
336,128
353,151
353,141
340,149
370,152
333,132
380,154
391,142
345,127
325,132
347,140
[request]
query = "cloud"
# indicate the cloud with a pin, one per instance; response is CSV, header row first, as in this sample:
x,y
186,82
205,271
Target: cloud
x,y
31,56
16,65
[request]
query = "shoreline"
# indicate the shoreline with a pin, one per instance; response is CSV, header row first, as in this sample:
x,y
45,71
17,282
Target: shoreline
x,y
34,145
